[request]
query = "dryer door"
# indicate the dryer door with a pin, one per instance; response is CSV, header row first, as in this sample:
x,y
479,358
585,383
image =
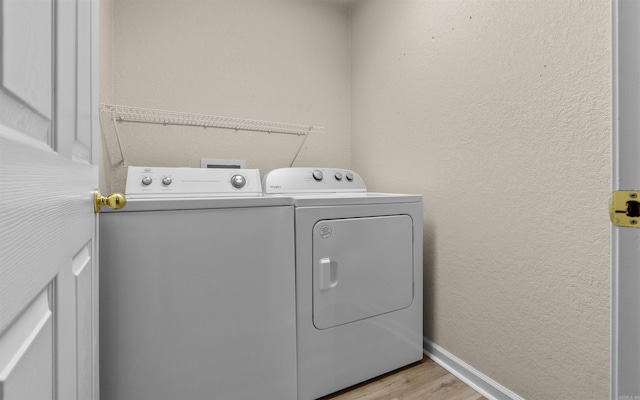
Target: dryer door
x,y
363,267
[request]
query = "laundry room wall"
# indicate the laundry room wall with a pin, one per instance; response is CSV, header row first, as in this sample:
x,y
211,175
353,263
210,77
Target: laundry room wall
x,y
498,112
283,61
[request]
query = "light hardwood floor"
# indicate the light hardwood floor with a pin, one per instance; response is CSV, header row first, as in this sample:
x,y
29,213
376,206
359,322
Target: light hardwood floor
x,y
422,380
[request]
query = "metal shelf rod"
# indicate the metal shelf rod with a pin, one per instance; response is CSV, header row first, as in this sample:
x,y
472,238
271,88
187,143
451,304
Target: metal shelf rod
x,y
165,117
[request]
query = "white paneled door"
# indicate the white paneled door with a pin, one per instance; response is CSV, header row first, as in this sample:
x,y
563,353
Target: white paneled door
x,y
48,171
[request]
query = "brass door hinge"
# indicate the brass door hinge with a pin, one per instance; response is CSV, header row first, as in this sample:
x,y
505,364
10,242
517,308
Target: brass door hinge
x,y
624,208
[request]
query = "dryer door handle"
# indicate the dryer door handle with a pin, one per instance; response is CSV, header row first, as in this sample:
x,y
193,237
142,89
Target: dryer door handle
x,y
328,271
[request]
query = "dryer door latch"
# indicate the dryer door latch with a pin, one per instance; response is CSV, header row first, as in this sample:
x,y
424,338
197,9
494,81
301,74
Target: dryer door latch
x,y
328,274
624,208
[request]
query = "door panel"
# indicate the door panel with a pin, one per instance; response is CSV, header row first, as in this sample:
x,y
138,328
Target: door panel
x,y
48,275
26,71
362,267
84,274
67,88
81,148
27,352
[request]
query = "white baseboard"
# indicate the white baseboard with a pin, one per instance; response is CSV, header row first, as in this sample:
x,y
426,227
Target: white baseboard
x,y
481,383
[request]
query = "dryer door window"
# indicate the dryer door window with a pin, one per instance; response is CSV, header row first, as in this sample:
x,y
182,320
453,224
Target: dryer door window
x,y
362,267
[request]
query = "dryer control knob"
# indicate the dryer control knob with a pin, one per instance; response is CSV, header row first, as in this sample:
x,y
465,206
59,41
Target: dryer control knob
x,y
147,180
318,175
338,176
238,181
167,180
349,176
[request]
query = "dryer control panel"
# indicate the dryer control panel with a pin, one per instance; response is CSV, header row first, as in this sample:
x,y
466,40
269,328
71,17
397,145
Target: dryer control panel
x,y
159,182
312,180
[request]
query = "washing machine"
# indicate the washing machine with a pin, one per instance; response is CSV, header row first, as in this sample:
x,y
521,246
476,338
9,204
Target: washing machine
x,y
358,277
197,290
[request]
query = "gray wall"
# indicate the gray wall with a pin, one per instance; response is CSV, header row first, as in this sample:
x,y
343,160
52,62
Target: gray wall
x,y
498,112
283,61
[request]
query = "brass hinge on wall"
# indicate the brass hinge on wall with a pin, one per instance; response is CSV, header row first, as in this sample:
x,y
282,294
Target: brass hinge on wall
x,y
624,208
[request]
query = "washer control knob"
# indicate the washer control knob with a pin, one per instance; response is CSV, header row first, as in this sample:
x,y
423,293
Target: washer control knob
x,y
318,175
167,180
338,176
349,176
147,180
238,181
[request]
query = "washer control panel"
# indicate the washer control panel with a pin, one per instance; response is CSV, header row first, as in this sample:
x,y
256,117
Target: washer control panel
x,y
312,180
161,182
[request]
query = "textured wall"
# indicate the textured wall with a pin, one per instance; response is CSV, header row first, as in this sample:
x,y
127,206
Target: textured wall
x,y
284,61
498,112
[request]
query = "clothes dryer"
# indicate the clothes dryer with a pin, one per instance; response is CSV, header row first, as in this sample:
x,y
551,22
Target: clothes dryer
x,y
197,293
358,277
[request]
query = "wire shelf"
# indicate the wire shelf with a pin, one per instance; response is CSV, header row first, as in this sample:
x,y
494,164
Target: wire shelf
x,y
165,117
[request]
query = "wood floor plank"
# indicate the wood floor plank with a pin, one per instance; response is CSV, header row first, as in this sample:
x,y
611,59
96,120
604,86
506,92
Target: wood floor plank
x,y
422,380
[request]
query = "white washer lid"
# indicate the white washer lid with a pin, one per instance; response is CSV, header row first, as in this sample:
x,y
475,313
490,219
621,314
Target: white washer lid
x,y
165,204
